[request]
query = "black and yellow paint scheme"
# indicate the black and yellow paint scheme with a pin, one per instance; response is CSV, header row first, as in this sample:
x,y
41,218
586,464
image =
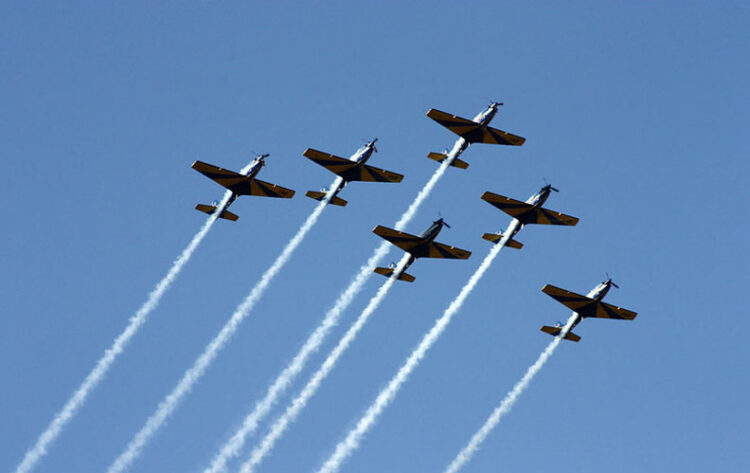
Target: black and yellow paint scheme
x,y
529,212
474,132
422,246
353,169
239,184
585,307
471,131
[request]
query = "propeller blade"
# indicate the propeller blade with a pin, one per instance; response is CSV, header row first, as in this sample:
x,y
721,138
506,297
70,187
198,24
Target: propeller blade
x,y
611,281
442,220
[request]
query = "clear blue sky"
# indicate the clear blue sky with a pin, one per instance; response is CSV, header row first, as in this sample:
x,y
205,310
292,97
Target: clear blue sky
x,y
637,113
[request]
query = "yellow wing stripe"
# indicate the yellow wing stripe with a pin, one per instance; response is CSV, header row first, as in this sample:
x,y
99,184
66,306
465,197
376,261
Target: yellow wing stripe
x,y
440,250
373,174
221,176
266,189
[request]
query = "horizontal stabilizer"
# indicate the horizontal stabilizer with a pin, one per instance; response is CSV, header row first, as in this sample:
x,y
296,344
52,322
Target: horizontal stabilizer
x,y
555,331
210,209
496,237
388,272
321,195
440,157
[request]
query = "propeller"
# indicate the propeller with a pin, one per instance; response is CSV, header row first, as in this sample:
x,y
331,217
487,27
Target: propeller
x,y
609,279
442,221
260,156
547,185
371,143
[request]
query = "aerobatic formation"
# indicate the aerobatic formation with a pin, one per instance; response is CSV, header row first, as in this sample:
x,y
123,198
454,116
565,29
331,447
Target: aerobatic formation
x,y
347,170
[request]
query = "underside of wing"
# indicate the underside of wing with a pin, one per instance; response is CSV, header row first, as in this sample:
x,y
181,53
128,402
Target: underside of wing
x,y
499,137
602,310
266,189
573,301
335,164
222,176
373,174
550,217
458,125
405,241
512,207
440,250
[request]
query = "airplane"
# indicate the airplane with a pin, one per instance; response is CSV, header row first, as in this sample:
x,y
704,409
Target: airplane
x,y
352,169
583,307
243,183
476,130
422,246
526,213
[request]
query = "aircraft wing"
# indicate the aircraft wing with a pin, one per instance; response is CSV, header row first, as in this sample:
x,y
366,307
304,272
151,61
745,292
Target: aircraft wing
x,y
499,137
550,217
222,176
373,174
587,307
403,240
331,162
609,311
458,125
472,131
512,207
567,298
440,250
526,213
266,189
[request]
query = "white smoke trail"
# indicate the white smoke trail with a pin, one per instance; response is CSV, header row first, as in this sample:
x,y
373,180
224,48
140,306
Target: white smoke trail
x,y
299,403
506,405
194,373
234,445
468,451
384,398
79,397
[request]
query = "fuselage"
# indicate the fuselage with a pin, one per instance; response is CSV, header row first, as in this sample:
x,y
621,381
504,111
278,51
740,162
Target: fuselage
x,y
432,231
486,116
360,157
597,294
427,236
536,200
483,118
255,166
250,172
364,153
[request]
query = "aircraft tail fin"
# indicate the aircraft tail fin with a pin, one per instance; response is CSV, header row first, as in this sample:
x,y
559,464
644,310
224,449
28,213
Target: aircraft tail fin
x,y
387,272
440,157
210,209
496,237
321,195
555,331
